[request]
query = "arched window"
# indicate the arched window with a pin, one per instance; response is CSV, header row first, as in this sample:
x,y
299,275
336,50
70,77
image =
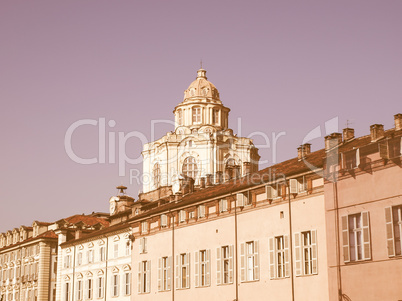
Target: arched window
x,y
156,175
196,115
180,117
190,167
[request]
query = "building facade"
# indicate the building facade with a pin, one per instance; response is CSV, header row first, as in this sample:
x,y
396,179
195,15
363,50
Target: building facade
x,y
363,196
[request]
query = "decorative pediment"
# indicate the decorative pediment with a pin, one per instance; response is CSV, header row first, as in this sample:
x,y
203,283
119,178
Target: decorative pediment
x,y
126,235
100,272
79,276
116,238
89,274
66,278
80,247
115,270
68,250
101,242
91,244
127,267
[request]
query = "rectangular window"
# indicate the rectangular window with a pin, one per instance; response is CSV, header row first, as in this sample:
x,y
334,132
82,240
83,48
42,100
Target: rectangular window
x,y
182,216
180,117
196,115
306,253
393,223
202,268
215,116
115,285
223,205
144,227
67,291
227,264
279,256
164,274
249,260
201,211
89,288
100,287
67,262
163,220
183,270
128,248
102,254
116,250
356,237
351,159
144,277
79,290
127,284
90,256
143,245
79,258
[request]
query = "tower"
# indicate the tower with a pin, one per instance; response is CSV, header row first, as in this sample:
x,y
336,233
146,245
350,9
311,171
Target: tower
x,y
202,146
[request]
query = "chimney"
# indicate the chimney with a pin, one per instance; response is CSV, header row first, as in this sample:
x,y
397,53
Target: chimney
x,y
187,185
246,168
202,182
398,122
208,181
218,177
332,140
348,134
376,132
303,150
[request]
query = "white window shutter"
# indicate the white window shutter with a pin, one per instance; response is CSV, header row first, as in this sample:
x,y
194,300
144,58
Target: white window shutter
x,y
256,261
169,273
197,269
240,200
159,274
357,157
231,252
208,276
218,266
145,245
139,277
366,235
345,238
314,251
188,270
118,284
287,265
141,245
269,191
242,262
148,284
271,258
390,231
293,186
298,255
177,274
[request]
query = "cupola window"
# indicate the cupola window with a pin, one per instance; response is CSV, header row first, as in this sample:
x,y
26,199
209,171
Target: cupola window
x,y
180,117
215,116
196,115
157,175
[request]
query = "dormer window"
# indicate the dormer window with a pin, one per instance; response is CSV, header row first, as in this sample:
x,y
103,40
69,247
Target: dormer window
x,y
196,115
351,159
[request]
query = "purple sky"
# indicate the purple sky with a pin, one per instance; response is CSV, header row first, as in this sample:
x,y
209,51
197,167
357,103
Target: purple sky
x,y
279,65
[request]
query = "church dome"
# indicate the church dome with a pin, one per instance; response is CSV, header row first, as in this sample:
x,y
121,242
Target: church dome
x,y
201,88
